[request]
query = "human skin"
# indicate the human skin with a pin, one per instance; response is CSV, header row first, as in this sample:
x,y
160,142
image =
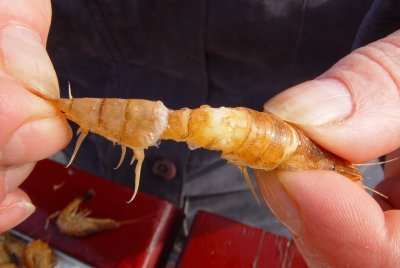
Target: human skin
x,y
31,129
353,110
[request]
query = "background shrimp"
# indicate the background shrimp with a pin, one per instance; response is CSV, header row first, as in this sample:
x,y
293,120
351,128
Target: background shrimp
x,y
15,252
75,222
245,137
38,255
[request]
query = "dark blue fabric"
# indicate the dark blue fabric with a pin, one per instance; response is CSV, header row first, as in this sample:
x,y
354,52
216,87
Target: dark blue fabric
x,y
189,53
382,19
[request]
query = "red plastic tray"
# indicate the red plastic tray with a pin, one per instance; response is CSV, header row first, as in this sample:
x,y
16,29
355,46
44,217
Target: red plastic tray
x,y
215,241
143,243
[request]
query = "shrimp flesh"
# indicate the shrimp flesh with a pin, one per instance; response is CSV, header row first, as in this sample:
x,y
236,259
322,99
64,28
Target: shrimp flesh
x,y
245,137
74,222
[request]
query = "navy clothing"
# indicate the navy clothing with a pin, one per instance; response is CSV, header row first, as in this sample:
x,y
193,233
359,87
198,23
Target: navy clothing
x,y
382,19
189,53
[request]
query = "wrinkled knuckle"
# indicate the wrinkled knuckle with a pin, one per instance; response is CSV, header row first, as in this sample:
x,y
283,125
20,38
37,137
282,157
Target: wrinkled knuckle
x,y
385,57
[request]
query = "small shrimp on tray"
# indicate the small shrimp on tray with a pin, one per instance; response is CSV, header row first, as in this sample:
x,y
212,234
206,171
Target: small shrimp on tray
x,y
74,222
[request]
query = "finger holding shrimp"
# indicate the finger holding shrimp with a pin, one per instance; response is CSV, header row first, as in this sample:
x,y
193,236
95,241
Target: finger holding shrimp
x,y
333,221
30,128
353,110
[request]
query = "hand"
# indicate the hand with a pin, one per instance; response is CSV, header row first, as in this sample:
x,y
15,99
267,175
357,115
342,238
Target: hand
x,y
31,129
352,110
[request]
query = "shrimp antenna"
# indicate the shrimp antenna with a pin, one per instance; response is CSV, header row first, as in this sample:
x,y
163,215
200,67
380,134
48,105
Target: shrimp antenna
x,y
123,152
137,220
376,192
82,135
139,155
376,163
372,190
249,183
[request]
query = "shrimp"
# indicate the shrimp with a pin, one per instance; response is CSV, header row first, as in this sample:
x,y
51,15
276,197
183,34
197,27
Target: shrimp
x,y
76,223
15,253
245,137
38,255
15,249
8,265
4,257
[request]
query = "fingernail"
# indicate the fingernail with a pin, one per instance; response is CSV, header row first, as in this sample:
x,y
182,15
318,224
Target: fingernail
x,y
280,202
28,207
314,103
25,57
20,210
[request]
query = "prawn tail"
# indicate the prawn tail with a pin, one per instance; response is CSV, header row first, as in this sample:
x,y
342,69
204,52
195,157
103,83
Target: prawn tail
x,y
82,135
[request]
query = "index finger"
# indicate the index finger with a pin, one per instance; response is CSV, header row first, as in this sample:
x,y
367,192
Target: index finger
x,y
24,26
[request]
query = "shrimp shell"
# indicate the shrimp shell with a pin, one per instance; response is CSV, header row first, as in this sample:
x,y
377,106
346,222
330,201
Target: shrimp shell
x,y
245,137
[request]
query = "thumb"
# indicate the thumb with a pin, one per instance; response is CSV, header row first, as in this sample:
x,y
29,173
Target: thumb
x,y
31,128
353,109
333,221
